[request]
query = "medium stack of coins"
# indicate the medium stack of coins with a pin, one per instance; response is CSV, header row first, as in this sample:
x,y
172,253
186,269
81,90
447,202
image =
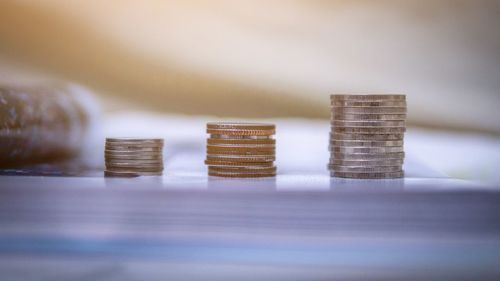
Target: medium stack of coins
x,y
130,157
241,150
367,133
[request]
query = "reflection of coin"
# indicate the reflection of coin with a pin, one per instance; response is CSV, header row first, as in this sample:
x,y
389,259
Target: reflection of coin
x,y
345,103
239,126
368,150
363,117
238,163
369,110
369,130
354,175
120,174
368,97
234,132
211,141
378,169
344,123
370,137
366,156
367,163
361,143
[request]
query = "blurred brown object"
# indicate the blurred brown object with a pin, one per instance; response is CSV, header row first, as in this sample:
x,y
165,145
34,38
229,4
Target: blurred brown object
x,y
41,123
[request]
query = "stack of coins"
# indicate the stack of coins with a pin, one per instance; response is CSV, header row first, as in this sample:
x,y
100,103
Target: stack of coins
x,y
131,157
241,150
367,133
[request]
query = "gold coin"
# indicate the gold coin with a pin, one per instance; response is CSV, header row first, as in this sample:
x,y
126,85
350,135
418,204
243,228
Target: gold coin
x,y
361,143
369,150
367,156
235,137
231,158
240,126
369,130
358,169
367,117
240,175
368,110
234,132
369,97
238,149
241,141
242,170
344,103
369,137
367,163
354,175
238,164
343,123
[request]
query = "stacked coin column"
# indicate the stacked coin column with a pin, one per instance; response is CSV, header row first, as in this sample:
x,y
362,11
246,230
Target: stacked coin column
x,y
241,150
129,157
367,134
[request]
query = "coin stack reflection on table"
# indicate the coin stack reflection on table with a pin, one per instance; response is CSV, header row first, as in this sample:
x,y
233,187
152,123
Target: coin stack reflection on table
x,y
131,157
367,135
241,150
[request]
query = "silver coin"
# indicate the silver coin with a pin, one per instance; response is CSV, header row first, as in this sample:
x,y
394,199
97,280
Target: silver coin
x,y
345,103
361,143
134,169
367,156
368,137
235,137
133,162
357,169
133,158
367,163
367,117
385,124
368,130
354,175
369,97
368,110
369,150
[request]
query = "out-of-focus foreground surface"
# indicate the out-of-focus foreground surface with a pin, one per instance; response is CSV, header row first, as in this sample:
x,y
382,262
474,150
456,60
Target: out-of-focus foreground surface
x,y
266,58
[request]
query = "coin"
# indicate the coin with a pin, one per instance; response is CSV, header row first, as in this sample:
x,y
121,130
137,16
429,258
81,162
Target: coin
x,y
367,163
368,97
240,158
368,110
212,141
121,174
236,132
369,130
134,169
240,175
345,103
128,149
132,154
155,157
367,156
123,146
370,137
359,169
365,117
136,161
245,170
369,150
343,123
134,165
134,141
240,126
238,163
239,149
354,175
361,143
235,137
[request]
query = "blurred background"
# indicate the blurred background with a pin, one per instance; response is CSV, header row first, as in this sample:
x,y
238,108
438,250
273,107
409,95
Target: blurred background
x,y
275,59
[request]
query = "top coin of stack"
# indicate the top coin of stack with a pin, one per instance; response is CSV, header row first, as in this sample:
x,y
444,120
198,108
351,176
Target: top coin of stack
x,y
241,150
367,134
131,157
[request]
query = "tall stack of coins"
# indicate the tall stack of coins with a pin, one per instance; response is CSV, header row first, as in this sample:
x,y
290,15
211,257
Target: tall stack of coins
x,y
241,150
131,157
367,133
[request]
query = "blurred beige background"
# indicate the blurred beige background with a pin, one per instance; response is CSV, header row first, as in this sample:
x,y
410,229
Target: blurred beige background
x,y
265,58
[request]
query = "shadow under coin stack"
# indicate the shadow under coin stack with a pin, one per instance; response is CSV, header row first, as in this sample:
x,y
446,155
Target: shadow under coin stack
x,y
367,134
130,157
241,150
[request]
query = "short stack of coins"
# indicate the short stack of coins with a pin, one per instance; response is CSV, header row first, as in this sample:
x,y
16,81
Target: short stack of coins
x,y
132,157
241,150
367,136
